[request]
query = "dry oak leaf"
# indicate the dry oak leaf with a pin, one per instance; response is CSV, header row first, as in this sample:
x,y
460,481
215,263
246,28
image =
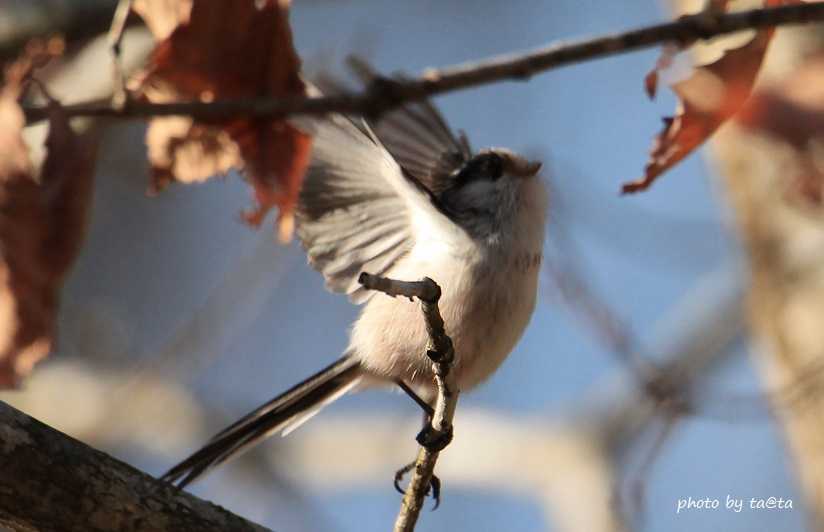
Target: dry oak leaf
x,y
229,51
670,50
708,98
42,221
163,16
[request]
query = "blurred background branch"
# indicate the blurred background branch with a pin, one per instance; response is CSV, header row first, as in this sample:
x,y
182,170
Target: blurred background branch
x,y
783,240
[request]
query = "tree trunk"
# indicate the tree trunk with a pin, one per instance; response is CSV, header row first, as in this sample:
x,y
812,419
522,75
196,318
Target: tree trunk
x,y
51,482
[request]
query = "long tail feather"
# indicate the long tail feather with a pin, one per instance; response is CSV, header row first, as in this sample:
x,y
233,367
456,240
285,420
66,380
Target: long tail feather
x,y
286,411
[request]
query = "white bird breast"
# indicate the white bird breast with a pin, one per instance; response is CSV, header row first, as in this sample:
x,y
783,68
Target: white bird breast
x,y
486,304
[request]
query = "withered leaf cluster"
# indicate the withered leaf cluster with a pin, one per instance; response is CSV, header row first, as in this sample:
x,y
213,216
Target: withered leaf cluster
x,y
205,51
225,51
42,221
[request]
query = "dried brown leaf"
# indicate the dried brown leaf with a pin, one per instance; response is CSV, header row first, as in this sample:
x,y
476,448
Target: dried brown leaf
x,y
42,222
668,53
670,50
252,58
163,16
708,98
188,152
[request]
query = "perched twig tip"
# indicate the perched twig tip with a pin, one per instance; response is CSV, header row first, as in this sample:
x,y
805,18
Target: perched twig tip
x,y
426,289
438,433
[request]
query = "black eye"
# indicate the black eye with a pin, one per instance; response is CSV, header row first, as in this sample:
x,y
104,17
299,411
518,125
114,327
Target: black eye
x,y
484,166
494,166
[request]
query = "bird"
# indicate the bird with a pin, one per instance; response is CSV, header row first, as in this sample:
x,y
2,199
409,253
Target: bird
x,y
406,198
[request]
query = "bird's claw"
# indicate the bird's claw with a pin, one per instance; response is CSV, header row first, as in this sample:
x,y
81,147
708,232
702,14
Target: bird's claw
x,y
435,490
400,473
434,484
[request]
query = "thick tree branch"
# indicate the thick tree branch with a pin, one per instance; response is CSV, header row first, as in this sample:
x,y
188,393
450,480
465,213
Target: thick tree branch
x,y
439,349
385,94
53,482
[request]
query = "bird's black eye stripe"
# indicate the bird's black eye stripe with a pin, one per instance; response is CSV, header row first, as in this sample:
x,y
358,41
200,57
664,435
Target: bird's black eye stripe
x,y
495,166
483,166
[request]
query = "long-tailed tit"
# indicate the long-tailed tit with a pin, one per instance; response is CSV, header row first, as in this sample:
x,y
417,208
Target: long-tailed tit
x,y
406,199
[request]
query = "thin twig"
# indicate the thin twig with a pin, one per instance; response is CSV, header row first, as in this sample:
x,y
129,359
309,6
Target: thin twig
x,y
434,438
385,94
121,14
636,485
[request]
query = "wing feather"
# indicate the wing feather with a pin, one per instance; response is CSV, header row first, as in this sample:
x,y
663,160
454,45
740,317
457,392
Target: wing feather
x,y
418,139
372,189
354,210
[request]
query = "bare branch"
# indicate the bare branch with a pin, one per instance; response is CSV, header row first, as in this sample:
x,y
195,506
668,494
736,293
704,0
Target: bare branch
x,y
426,289
53,482
437,436
384,94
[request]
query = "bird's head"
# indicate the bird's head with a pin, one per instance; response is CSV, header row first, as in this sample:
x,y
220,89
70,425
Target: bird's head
x,y
495,190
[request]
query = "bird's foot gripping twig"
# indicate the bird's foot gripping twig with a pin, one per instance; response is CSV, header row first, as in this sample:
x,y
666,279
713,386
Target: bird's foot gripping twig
x,y
434,440
438,432
434,484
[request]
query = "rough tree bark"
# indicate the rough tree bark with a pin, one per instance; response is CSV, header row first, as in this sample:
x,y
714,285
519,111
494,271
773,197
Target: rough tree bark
x,y
51,482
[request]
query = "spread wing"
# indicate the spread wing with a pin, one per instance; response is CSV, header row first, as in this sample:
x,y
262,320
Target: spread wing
x,y
358,209
418,137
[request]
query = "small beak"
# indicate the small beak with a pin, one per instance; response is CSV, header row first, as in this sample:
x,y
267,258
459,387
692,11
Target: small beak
x,y
521,167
